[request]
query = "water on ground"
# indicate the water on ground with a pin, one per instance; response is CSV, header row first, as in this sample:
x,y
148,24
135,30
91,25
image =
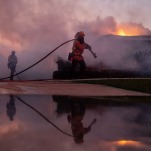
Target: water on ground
x,y
44,122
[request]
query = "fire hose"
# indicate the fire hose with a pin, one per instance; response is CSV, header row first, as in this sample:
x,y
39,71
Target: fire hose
x,y
39,60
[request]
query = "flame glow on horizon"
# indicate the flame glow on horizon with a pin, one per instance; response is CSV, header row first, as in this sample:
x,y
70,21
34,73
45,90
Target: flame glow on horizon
x,y
109,25
132,29
121,32
129,32
129,143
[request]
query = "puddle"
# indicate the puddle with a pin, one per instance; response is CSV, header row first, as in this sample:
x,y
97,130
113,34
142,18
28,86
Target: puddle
x,y
43,122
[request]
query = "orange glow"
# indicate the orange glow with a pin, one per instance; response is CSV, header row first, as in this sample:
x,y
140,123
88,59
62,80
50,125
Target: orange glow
x,y
129,142
10,43
121,32
131,30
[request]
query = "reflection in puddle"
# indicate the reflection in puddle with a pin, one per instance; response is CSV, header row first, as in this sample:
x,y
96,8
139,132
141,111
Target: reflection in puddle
x,y
11,109
77,109
64,122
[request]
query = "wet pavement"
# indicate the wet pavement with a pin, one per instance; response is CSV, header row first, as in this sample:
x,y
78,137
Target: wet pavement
x,y
63,88
52,122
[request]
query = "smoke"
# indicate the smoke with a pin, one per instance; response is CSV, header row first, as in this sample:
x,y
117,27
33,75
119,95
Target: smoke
x,y
34,28
109,25
115,52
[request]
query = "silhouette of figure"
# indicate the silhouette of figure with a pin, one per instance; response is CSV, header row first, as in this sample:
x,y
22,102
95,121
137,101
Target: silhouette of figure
x,y
77,50
11,109
75,118
12,61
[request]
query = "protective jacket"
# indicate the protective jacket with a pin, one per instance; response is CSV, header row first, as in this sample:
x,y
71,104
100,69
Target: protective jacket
x,y
78,50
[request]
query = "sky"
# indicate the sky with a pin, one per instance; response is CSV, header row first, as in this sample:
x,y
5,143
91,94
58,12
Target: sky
x,y
37,24
34,28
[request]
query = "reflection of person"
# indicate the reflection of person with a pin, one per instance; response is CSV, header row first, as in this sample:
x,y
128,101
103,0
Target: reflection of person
x,y
11,109
12,61
75,118
77,50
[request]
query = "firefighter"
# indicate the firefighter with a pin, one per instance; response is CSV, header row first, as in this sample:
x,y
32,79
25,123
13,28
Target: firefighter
x,y
77,50
12,61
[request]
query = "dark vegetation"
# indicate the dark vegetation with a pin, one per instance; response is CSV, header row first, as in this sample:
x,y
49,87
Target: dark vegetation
x,y
64,102
122,79
64,70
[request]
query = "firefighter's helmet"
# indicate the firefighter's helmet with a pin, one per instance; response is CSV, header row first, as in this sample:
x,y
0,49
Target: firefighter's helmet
x,y
81,33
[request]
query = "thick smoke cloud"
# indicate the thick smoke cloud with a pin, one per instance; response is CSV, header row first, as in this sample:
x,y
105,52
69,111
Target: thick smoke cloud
x,y
34,28
115,52
109,25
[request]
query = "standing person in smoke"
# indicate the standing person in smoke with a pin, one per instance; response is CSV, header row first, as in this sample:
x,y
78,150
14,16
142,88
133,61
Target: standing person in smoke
x,y
77,50
12,61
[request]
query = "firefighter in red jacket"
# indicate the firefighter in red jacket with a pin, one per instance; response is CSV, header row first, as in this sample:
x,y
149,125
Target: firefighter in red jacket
x,y
77,50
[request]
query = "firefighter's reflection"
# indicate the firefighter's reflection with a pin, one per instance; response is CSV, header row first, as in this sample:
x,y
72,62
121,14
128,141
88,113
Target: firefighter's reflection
x,y
11,109
75,118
